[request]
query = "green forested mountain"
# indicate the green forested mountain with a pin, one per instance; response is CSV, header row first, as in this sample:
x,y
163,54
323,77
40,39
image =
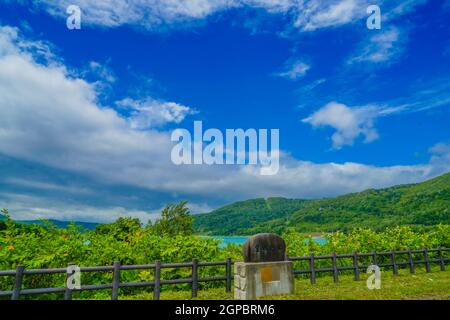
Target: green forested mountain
x,y
239,217
419,205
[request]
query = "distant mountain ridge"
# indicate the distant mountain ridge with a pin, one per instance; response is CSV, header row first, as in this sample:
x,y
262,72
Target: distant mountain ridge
x,y
57,223
420,205
64,224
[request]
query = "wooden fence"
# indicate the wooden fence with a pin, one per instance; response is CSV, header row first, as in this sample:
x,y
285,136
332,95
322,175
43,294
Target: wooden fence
x,y
194,280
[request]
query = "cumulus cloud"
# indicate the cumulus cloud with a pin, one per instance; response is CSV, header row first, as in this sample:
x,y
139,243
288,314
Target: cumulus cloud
x,y
149,112
51,118
349,123
11,43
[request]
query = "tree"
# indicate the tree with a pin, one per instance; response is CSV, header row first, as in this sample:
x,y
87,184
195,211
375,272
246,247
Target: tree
x,y
5,220
123,229
4,215
175,220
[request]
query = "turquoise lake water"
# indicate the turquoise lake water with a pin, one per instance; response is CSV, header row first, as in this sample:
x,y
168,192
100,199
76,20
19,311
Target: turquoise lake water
x,y
241,240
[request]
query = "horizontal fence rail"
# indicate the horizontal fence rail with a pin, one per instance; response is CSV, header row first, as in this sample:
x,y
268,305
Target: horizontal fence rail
x,y
194,280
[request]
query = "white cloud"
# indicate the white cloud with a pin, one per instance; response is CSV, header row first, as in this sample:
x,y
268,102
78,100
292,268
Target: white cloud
x,y
11,43
353,122
51,118
295,70
308,15
349,123
103,72
319,14
149,112
382,48
311,15
44,185
29,207
403,7
441,154
146,13
26,207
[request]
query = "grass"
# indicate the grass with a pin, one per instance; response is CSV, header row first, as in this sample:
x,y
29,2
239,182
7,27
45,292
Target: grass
x,y
419,286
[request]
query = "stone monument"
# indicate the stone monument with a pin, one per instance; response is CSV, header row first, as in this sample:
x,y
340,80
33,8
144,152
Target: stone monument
x,y
265,270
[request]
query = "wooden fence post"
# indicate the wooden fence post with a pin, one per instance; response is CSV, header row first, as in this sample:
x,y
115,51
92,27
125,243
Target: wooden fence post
x,y
441,260
312,268
335,271
194,277
18,282
394,264
427,261
228,274
355,265
157,286
116,281
410,261
374,258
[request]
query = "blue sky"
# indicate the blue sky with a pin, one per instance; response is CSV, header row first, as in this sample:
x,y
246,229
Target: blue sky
x,y
87,114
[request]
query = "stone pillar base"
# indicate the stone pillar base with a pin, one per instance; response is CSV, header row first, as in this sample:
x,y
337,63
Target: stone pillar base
x,y
254,280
